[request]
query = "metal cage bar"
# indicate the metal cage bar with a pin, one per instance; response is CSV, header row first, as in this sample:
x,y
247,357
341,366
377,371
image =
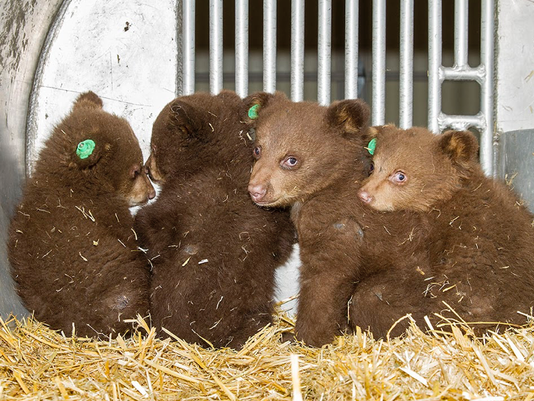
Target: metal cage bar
x,y
351,49
297,50
188,35
406,65
241,47
324,71
434,63
487,153
379,62
460,32
269,45
216,46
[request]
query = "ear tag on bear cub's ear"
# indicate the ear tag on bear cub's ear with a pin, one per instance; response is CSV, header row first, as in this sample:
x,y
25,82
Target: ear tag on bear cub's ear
x,y
371,146
85,148
253,112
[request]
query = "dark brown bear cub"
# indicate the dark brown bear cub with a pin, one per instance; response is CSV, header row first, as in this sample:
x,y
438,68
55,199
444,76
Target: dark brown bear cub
x,y
72,246
214,252
481,239
314,158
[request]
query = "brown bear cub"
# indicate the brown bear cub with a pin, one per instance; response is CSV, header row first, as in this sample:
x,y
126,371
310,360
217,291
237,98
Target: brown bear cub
x,y
72,247
481,239
214,252
314,158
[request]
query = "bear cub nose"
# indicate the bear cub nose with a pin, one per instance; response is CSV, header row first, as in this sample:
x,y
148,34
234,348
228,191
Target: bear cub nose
x,y
257,192
365,196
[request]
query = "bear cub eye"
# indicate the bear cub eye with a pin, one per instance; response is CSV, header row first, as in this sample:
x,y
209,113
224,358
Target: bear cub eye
x,y
290,162
135,171
371,168
399,177
257,152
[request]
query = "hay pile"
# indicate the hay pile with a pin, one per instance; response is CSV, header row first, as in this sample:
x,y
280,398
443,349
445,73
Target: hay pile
x,y
38,364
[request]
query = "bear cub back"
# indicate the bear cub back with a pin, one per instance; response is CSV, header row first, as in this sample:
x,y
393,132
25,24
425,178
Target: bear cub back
x,y
72,247
214,252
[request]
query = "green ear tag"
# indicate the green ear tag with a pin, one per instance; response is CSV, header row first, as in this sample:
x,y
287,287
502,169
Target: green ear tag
x,y
371,146
85,148
253,112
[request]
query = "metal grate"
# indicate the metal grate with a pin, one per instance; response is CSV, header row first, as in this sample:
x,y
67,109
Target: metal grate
x,y
437,73
461,71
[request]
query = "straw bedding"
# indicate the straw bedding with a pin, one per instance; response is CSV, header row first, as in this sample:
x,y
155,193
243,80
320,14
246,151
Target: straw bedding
x,y
39,364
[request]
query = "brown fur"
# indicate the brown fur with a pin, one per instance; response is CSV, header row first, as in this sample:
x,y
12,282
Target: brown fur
x,y
202,155
71,246
481,239
342,241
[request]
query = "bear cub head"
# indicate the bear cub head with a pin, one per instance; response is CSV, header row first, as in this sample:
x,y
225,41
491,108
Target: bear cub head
x,y
302,148
190,134
100,152
414,169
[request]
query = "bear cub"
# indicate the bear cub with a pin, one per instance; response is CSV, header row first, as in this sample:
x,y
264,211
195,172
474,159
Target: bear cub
x,y
72,247
480,240
214,252
314,159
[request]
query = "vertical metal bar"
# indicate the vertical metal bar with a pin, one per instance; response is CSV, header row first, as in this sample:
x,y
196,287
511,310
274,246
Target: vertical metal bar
x,y
461,9
241,47
324,52
216,46
188,46
351,49
297,50
434,64
269,45
178,90
379,62
487,157
406,65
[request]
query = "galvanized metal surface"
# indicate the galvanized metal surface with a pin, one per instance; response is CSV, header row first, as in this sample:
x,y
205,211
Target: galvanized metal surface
x,y
406,65
125,52
324,68
241,47
216,46
379,63
269,45
514,79
516,164
23,28
461,71
188,46
351,49
297,50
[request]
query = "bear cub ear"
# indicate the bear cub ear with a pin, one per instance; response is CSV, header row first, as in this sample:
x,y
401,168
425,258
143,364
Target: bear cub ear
x,y
186,119
351,116
253,104
88,100
88,152
460,146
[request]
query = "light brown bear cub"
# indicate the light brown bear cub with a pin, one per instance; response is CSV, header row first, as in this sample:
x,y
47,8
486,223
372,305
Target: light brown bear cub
x,y
72,249
314,158
481,239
